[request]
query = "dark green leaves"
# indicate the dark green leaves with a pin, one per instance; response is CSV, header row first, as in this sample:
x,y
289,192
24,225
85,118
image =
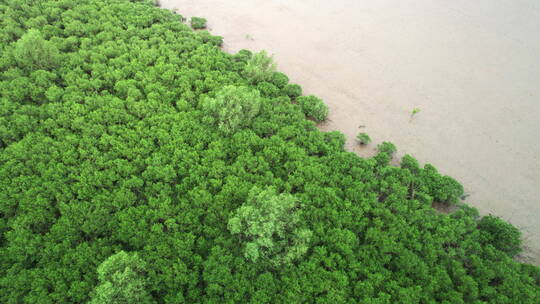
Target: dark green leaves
x,y
129,148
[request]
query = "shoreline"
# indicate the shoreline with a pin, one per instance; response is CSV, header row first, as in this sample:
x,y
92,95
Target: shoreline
x,y
373,63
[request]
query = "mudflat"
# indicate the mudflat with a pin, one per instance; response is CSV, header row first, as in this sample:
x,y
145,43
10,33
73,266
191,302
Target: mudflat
x,y
472,68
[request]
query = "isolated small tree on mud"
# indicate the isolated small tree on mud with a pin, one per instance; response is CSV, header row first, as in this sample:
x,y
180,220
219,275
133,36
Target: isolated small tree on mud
x,y
232,108
268,225
260,67
363,138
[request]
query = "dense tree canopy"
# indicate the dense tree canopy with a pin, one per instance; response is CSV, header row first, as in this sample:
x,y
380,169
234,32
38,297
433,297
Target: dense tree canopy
x,y
117,181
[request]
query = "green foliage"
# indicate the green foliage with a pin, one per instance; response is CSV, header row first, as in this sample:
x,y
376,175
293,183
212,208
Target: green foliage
x,y
243,56
122,280
363,138
34,52
500,234
232,108
146,138
387,147
260,67
279,79
268,225
335,139
292,90
206,37
268,89
313,107
197,23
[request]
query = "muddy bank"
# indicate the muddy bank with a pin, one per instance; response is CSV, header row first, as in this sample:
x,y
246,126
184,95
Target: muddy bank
x,y
471,67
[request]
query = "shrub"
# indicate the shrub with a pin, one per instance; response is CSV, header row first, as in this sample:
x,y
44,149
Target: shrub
x,y
209,38
197,23
292,90
268,89
279,79
500,234
387,147
232,108
242,56
335,139
34,52
443,189
363,138
313,107
260,67
410,163
385,153
268,225
414,112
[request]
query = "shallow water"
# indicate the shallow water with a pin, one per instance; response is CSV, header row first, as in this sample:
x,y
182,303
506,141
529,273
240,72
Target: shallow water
x,y
471,67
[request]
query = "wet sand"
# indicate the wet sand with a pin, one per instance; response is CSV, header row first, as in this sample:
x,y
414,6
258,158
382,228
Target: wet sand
x,y
471,67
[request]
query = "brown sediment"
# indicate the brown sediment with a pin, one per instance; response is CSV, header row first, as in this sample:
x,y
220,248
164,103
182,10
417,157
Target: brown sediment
x,y
472,67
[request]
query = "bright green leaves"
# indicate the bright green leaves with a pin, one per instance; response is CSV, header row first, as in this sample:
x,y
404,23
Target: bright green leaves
x,y
279,79
260,67
500,234
385,153
313,107
232,108
149,138
34,52
197,23
122,280
363,138
292,90
269,226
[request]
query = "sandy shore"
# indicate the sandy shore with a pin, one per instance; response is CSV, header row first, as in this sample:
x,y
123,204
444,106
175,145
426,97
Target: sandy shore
x,y
471,67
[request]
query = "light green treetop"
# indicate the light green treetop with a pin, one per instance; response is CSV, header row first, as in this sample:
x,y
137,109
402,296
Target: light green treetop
x,y
260,67
232,108
269,226
34,52
122,280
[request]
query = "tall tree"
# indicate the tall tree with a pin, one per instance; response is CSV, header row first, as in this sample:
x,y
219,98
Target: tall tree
x,y
122,280
268,225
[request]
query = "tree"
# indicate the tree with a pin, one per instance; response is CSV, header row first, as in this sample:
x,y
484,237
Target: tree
x,y
268,225
124,156
197,23
292,90
313,107
122,280
34,52
232,108
260,67
500,234
363,138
